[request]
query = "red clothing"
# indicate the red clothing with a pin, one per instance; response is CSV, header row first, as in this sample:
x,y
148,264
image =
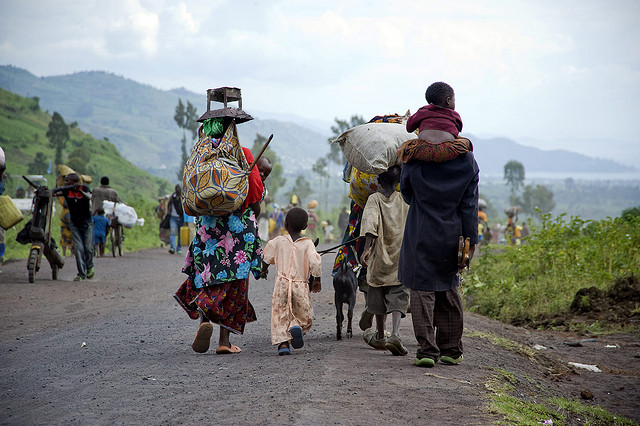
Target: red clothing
x,y
256,188
434,117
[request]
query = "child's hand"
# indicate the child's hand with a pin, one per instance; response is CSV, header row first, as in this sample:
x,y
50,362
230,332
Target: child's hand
x,y
265,270
317,286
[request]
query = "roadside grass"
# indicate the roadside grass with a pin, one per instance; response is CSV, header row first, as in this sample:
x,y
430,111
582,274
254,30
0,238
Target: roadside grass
x,y
552,410
540,277
505,343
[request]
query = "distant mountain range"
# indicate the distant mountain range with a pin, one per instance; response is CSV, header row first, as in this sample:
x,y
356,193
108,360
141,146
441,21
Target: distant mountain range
x,y
138,120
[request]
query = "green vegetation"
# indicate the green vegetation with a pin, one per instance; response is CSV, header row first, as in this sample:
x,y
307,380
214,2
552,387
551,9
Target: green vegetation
x,y
503,385
541,277
23,136
514,175
275,180
186,119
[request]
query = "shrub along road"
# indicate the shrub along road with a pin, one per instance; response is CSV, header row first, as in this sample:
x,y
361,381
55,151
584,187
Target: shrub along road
x,y
117,349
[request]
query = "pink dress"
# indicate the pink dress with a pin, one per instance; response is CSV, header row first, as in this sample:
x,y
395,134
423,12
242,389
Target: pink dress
x,y
291,302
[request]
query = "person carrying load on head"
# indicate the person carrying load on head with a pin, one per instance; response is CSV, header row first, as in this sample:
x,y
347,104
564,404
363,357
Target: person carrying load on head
x,y
226,248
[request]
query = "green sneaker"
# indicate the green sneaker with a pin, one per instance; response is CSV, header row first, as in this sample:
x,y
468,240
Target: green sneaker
x,y
90,273
79,278
451,361
424,362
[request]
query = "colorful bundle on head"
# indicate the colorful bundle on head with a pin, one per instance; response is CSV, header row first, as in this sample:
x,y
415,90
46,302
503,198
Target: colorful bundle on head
x,y
213,127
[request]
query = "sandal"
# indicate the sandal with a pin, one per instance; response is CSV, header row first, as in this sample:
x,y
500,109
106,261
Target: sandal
x,y
297,340
203,336
284,350
231,349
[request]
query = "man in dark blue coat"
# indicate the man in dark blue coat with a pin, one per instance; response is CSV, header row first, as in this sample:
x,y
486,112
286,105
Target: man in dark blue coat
x,y
443,200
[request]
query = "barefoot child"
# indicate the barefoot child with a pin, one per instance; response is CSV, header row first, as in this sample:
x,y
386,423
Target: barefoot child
x,y
383,222
295,257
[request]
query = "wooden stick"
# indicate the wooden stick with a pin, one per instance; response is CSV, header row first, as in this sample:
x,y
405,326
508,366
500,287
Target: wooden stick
x,y
261,152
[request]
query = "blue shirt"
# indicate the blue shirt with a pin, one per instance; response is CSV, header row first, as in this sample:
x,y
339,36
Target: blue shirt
x,y
100,224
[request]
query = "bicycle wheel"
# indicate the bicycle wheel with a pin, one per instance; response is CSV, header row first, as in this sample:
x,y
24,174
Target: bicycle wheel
x,y
112,236
31,264
120,237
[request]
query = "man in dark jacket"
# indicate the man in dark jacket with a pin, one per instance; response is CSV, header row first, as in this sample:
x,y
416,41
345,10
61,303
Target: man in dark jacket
x,y
443,205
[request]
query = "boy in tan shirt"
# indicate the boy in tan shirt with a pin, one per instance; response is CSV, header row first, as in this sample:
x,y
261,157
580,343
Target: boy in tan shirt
x,y
383,222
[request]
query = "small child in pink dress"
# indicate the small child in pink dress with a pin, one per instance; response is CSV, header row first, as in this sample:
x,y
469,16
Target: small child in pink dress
x,y
295,258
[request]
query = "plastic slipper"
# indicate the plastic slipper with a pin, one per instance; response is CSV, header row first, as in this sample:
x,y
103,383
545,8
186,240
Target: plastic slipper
x,y
297,340
450,360
203,336
424,362
233,349
284,351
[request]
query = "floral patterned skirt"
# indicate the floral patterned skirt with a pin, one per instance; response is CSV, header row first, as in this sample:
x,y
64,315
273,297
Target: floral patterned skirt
x,y
226,304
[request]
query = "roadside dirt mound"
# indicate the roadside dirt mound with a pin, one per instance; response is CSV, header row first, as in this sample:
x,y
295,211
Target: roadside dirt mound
x,y
620,306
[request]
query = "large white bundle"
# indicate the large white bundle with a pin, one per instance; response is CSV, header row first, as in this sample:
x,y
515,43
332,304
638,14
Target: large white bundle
x,y
372,147
127,215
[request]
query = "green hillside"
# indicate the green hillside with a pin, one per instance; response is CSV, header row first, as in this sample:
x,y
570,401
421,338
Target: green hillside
x,y
138,118
23,128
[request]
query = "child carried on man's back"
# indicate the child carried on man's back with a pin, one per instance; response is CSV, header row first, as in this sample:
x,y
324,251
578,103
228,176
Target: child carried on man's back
x,y
295,257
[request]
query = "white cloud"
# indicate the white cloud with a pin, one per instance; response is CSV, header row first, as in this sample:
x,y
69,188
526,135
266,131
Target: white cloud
x,y
520,68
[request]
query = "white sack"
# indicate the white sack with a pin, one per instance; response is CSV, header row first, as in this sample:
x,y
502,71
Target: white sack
x,y
372,147
127,215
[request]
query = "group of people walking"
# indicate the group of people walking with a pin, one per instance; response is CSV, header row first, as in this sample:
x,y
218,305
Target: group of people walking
x,y
410,250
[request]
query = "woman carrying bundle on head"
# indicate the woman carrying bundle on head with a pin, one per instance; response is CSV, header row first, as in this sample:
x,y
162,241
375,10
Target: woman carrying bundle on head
x,y
225,250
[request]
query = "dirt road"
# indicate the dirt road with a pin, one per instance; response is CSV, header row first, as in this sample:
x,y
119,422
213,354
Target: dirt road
x,y
117,350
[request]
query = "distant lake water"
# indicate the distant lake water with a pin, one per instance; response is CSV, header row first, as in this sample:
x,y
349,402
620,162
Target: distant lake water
x,y
531,176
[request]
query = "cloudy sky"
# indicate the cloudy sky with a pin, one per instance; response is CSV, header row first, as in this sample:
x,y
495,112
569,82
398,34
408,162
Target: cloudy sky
x,y
548,72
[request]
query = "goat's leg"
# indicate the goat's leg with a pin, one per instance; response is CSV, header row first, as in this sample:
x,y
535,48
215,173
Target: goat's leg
x,y
339,317
349,320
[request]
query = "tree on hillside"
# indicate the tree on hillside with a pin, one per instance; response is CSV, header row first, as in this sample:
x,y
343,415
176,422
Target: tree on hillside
x,y
58,135
341,126
82,152
39,165
275,181
301,188
186,119
320,169
514,175
538,197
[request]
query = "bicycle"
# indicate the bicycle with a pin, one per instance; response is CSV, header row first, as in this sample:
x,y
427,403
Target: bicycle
x,y
116,236
38,232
